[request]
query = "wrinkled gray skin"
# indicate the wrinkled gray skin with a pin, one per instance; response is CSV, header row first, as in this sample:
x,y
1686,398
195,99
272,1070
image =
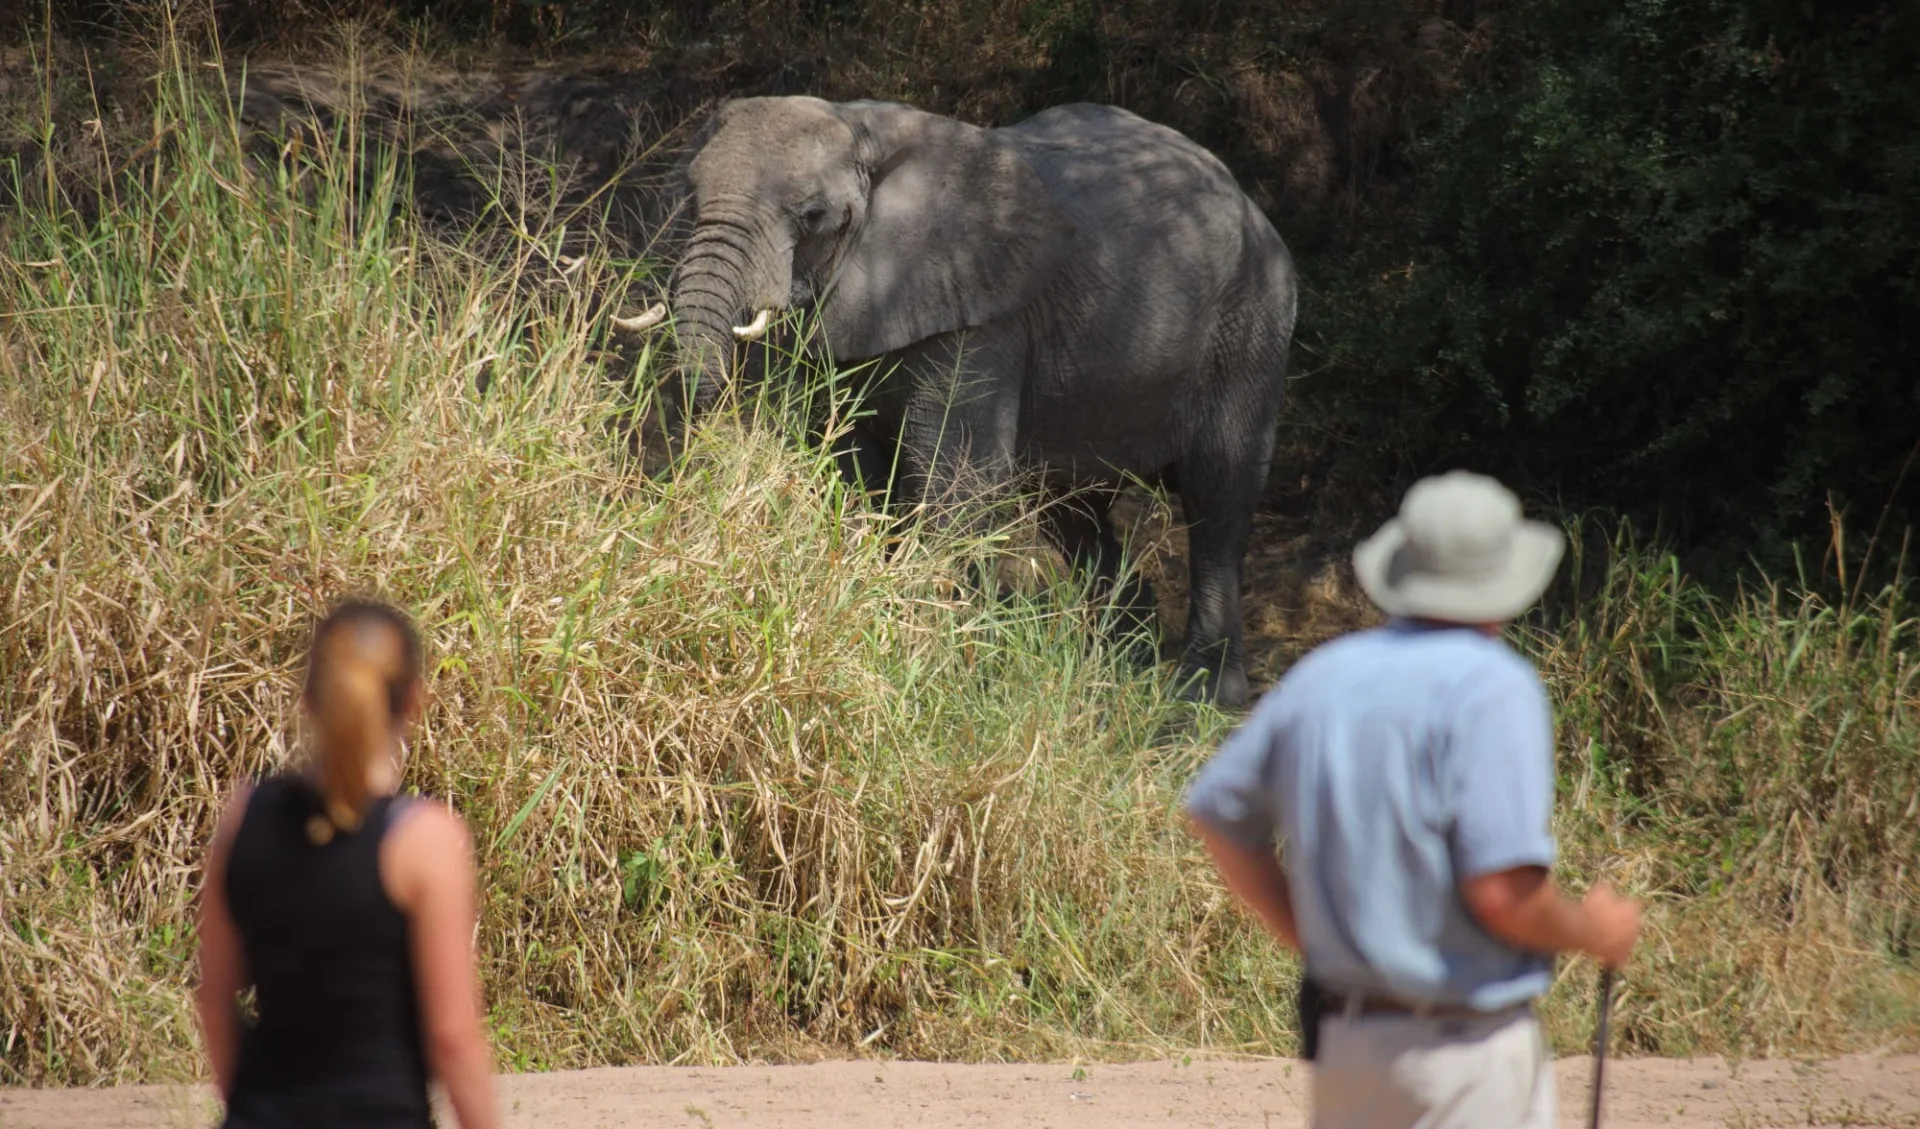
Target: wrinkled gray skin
x,y
1085,293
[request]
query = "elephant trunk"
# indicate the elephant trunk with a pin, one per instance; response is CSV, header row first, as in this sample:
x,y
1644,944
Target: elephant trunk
x,y
734,270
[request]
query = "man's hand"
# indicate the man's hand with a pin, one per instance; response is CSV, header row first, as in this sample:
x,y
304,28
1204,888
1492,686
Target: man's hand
x,y
1614,923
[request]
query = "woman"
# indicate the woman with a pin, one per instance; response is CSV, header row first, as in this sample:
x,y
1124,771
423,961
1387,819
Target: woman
x,y
350,910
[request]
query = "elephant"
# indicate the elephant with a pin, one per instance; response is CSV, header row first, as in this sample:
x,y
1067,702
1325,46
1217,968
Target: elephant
x,y
1085,294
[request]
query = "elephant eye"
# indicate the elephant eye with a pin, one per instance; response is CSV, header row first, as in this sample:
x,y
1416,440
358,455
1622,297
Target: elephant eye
x,y
813,215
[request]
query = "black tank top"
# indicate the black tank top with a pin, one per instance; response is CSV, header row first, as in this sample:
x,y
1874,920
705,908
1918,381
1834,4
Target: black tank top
x,y
338,1039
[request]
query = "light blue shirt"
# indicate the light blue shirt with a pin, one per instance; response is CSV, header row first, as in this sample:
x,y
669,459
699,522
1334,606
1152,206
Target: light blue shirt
x,y
1392,764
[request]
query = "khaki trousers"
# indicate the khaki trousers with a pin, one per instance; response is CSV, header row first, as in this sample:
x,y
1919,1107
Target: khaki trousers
x,y
1405,1072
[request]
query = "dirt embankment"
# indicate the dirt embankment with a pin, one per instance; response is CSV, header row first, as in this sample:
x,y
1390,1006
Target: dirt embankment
x,y
1640,1094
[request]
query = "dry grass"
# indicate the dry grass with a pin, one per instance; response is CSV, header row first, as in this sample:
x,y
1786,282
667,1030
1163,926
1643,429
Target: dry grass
x,y
1753,762
747,779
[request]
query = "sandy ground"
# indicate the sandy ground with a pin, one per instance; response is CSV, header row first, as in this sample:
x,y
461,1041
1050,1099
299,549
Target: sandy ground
x,y
1863,1090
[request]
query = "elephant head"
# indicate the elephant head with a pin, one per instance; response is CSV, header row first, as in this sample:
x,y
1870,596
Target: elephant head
x,y
890,224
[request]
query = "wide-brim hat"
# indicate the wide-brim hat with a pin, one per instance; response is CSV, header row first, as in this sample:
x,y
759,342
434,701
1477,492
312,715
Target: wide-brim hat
x,y
1459,551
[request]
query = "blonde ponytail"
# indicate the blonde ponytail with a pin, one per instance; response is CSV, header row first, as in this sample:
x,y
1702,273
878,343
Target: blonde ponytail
x,y
353,729
364,660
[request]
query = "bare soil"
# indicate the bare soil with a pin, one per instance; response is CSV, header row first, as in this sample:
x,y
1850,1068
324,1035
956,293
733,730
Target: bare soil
x,y
1672,1094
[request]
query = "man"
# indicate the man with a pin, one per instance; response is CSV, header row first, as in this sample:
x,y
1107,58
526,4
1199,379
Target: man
x,y
1408,771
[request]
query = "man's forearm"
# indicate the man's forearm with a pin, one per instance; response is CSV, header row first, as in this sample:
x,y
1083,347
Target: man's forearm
x,y
1549,922
1529,911
1256,878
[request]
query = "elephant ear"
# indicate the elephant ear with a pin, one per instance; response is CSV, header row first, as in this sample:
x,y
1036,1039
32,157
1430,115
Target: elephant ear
x,y
959,230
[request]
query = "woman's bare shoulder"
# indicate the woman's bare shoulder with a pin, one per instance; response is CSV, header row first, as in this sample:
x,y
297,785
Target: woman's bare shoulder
x,y
227,824
433,829
428,853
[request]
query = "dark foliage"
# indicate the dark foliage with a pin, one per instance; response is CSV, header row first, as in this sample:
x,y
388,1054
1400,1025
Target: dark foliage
x,y
1664,258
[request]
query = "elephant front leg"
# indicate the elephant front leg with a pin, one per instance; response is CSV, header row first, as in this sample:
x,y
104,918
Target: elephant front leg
x,y
960,421
961,417
1079,523
866,461
956,494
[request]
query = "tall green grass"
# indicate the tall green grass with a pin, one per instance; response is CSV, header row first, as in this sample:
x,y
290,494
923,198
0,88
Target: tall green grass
x,y
748,778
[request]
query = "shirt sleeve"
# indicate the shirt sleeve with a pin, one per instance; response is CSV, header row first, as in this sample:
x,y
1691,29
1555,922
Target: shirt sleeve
x,y
1234,792
1502,775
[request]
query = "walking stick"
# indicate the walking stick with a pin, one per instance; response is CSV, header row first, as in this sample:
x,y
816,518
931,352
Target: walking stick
x,y
1600,1043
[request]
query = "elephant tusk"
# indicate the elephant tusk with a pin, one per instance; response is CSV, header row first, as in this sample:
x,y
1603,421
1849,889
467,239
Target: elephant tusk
x,y
643,321
754,331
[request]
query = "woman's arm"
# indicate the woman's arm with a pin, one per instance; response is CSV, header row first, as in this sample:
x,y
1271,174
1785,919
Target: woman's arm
x,y
223,972
428,868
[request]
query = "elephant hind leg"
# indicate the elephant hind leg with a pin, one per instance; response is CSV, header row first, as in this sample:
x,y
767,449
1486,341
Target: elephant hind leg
x,y
1221,477
1220,488
1080,525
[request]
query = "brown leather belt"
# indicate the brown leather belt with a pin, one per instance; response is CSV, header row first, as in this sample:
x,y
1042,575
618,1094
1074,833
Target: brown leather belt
x,y
1383,1005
